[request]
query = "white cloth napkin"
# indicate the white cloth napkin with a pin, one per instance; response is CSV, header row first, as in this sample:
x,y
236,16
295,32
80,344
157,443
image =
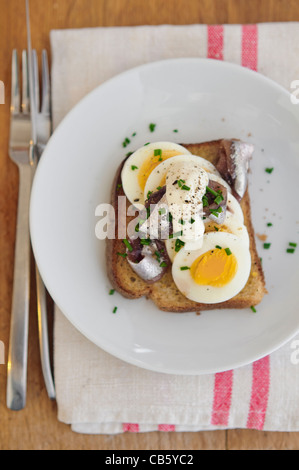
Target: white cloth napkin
x,y
97,393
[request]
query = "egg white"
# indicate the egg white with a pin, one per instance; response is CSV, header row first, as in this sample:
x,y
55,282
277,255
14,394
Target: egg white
x,y
211,294
234,208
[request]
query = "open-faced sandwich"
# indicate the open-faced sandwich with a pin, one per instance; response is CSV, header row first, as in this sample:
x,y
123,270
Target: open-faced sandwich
x,y
184,235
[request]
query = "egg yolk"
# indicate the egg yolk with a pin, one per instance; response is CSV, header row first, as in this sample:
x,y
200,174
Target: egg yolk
x,y
151,163
214,268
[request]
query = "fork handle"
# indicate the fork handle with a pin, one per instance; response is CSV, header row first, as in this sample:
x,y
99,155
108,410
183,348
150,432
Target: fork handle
x,y
18,345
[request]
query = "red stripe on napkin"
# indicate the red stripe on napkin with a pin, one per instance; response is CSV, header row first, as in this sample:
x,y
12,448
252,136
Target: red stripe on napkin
x,y
259,394
261,368
130,427
166,427
249,46
215,42
224,380
222,398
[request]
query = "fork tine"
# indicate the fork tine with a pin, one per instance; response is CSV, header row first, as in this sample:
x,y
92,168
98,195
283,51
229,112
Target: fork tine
x,y
36,79
15,84
25,84
46,93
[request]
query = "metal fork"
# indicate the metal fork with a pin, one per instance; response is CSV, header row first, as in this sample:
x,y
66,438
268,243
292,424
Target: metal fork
x,y
43,131
21,150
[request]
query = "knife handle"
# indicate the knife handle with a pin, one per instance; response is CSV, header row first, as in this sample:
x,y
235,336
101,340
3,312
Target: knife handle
x,y
18,344
43,335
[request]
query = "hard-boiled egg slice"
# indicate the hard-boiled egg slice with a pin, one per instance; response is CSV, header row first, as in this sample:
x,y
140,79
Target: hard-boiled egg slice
x,y
140,165
231,225
215,273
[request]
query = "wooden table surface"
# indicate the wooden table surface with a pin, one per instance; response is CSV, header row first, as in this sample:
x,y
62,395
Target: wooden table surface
x,y
37,426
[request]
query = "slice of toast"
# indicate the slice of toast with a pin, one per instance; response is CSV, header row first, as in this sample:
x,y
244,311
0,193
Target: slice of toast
x,y
164,292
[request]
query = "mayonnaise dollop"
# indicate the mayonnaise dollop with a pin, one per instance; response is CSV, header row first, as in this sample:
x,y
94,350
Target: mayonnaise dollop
x,y
186,185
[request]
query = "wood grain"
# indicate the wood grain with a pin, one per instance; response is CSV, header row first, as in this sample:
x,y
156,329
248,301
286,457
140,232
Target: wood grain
x,y
37,426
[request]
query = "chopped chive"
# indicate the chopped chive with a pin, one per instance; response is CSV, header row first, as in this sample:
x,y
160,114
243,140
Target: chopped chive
x,y
158,254
111,291
163,265
159,187
218,199
182,222
129,154
185,268
219,247
119,187
176,235
145,241
133,167
146,144
269,170
192,221
152,127
291,250
205,201
267,246
178,245
176,131
128,245
124,255
216,212
149,194
269,224
115,310
228,252
186,188
210,190
216,228
160,159
134,134
158,152
293,244
253,309
126,142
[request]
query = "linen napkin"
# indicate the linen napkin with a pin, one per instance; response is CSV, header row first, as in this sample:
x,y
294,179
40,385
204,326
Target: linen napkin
x,y
97,393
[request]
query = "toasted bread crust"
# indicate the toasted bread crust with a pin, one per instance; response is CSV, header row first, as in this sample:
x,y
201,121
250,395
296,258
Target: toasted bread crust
x,y
164,293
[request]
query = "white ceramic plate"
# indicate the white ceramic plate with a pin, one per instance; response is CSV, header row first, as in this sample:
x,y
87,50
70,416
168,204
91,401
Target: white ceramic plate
x,y
204,100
